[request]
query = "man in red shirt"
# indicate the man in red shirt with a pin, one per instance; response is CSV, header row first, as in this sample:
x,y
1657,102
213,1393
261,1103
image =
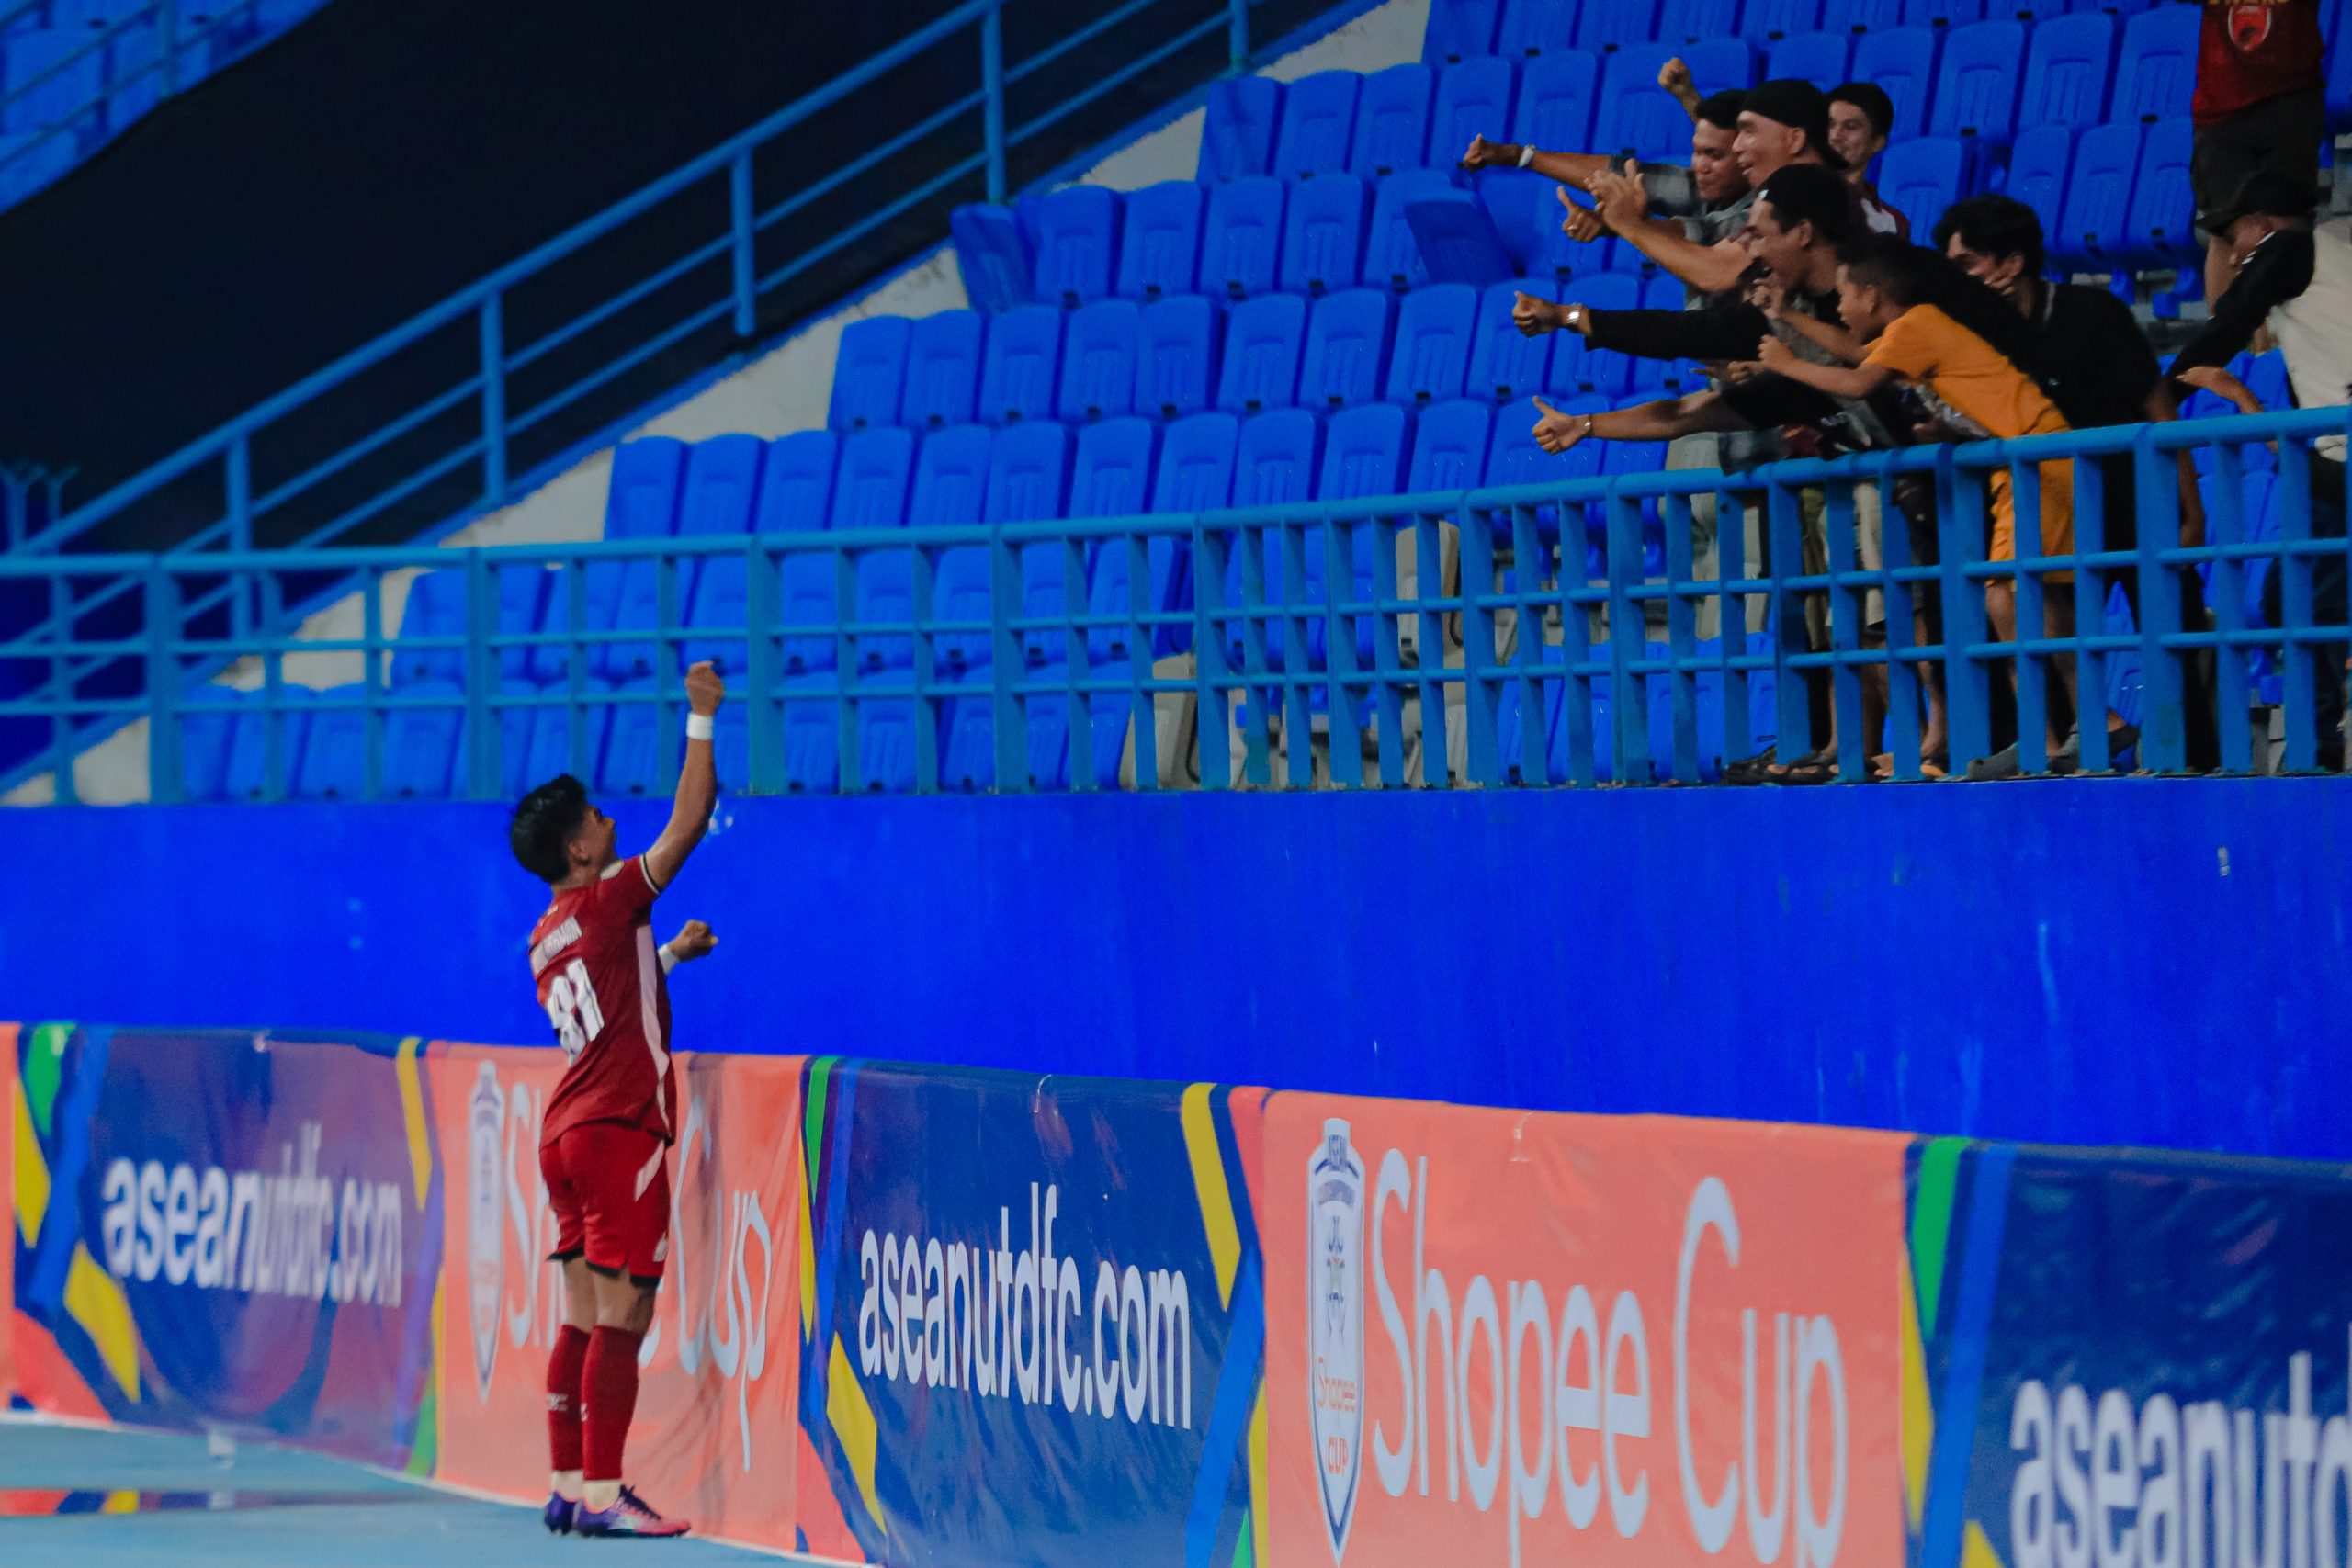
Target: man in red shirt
x,y
604,1145
2260,108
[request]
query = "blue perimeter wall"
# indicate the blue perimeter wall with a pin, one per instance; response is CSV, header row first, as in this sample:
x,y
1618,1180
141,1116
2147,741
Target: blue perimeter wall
x,y
2154,962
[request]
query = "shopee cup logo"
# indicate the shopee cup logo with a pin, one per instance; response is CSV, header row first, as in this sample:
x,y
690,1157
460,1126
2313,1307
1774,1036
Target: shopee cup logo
x,y
725,1272
1334,1324
485,1253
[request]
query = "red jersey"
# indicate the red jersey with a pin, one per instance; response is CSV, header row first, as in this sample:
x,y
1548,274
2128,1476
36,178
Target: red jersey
x,y
2249,54
600,980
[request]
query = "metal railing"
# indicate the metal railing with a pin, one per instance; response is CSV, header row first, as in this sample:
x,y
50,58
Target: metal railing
x,y
1482,601
496,389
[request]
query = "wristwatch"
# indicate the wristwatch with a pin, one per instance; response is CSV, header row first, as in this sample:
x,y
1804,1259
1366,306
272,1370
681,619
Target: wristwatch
x,y
1574,318
1527,155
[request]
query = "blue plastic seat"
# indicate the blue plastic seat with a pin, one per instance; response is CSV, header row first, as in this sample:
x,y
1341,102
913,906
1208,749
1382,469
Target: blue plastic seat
x,y
1810,57
1317,126
1194,474
943,370
553,731
435,608
1391,121
1276,463
2163,234
1459,30
1525,210
2156,74
631,765
2037,167
135,73
1861,15
1241,238
522,608
1263,338
1578,369
1111,476
869,493
1449,447
1949,14
1323,235
420,744
1504,365
1903,62
1604,29
1513,458
2339,77
1364,454
643,499
1099,361
1237,140
1434,329
1555,100
1018,372
598,589
796,496
2066,70
1474,99
639,609
2092,234
797,482
992,255
334,755
1077,244
1161,248
869,373
1392,258
245,775
1976,90
1346,349
1920,179
1768,20
1696,21
1019,479
516,726
1176,356
950,488
1535,27
1638,117
722,481
69,98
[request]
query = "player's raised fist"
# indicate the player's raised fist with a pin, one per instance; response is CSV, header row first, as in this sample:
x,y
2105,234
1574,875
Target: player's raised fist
x,y
705,689
693,941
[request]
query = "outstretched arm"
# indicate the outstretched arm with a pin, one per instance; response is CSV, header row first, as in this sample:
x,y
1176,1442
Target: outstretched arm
x,y
1622,197
1675,77
697,781
1661,420
1568,168
1853,383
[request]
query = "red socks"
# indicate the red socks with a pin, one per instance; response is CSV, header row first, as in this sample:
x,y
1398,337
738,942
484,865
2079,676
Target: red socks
x,y
564,1397
609,1393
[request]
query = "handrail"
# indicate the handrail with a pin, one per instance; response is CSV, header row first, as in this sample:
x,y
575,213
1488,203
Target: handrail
x,y
1274,660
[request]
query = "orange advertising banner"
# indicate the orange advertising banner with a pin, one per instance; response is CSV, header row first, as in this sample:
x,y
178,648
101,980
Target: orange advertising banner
x,y
1500,1337
718,1410
9,1231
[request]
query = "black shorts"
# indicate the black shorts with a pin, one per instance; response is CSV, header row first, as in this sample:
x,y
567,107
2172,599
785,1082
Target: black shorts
x,y
2281,136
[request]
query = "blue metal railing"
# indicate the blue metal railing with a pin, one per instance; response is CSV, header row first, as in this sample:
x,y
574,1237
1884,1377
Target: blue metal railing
x,y
1522,621
402,460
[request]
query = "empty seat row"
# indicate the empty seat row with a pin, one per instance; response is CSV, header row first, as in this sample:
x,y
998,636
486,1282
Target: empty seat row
x,y
1461,30
2112,198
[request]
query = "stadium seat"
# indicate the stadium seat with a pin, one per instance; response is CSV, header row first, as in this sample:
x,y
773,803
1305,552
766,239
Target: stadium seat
x,y
135,73
35,99
1347,348
2162,233
1535,27
1238,140
1160,249
870,492
1903,62
1457,241
943,370
2091,234
1637,115
335,756
1861,15
1276,463
1077,243
1323,235
1176,356
1579,370
1241,238
632,759
1949,14
722,481
2155,74
2037,167
2339,78
1110,477
797,482
1810,57
1364,454
420,744
1020,480
869,372
1695,21
641,502
811,737
1449,447
992,255
553,731
1976,91
1099,361
1317,125
1555,101
2066,70
517,725
1603,30
1434,329
1391,121
951,483
1392,259
246,772
1474,99
1505,365
435,608
1263,340
1768,21
796,491
1459,30
1513,458
639,609
1024,350
2265,375
598,592
1920,179
1194,474
1525,210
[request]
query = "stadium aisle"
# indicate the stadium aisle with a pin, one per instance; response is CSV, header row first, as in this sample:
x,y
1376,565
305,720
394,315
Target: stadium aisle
x,y
262,1508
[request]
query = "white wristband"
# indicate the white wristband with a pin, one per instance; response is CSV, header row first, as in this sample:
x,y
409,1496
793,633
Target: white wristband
x,y
669,959
698,726
1527,155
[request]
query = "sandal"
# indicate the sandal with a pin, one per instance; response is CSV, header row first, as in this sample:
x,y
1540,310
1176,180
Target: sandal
x,y
1812,768
1748,770
1932,766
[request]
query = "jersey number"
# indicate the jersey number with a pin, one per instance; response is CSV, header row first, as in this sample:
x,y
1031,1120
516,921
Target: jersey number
x,y
572,1009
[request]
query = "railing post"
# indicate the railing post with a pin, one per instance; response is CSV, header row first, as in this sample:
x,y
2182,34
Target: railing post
x,y
168,38
1009,726
371,678
738,198
2155,487
482,676
761,589
61,688
1237,35
1483,757
493,401
1960,544
992,90
1629,705
239,481
164,773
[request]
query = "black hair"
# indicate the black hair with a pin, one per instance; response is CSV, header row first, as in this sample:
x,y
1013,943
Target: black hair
x,y
543,825
1995,226
1871,100
1722,109
1809,193
1913,274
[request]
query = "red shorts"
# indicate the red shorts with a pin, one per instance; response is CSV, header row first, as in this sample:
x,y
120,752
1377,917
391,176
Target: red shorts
x,y
610,1185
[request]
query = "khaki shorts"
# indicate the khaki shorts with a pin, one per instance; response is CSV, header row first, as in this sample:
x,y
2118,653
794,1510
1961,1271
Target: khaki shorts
x,y
1870,555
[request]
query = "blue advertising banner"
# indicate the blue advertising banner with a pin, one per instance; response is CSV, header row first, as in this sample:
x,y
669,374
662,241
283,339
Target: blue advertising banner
x,y
1034,1319
239,1231
2138,1360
